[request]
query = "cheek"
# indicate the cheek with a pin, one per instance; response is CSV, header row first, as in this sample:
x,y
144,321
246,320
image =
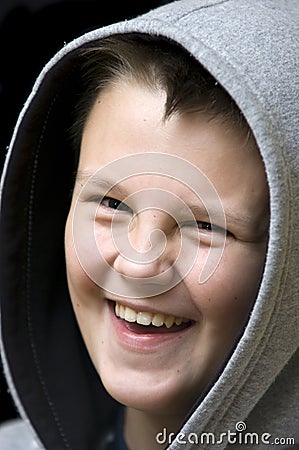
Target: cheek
x,y
85,296
81,287
226,298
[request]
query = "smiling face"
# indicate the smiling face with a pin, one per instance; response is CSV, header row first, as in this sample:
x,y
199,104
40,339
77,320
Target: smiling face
x,y
158,353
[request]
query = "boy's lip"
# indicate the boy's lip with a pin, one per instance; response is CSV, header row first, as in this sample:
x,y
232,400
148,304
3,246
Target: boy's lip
x,y
132,337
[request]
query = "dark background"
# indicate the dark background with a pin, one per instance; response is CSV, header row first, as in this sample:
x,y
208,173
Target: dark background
x,y
31,31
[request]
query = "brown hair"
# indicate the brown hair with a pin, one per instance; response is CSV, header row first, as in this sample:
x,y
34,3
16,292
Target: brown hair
x,y
158,64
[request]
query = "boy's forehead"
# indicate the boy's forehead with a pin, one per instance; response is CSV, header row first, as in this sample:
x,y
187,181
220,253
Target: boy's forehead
x,y
231,162
127,113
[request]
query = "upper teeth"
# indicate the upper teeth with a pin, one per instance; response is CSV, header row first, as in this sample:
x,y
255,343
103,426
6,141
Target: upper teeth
x,y
147,318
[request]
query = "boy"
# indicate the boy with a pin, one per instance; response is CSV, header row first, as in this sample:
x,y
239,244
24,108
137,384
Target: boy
x,y
167,251
157,350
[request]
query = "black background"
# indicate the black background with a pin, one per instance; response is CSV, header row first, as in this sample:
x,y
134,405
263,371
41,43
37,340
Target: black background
x,y
30,34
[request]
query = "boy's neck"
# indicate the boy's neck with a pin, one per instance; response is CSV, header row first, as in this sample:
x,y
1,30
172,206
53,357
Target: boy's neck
x,y
141,429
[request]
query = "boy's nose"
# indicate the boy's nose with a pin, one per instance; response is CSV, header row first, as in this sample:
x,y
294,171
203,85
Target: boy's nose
x,y
149,250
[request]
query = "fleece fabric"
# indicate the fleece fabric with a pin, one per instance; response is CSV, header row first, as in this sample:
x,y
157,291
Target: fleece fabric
x,y
251,48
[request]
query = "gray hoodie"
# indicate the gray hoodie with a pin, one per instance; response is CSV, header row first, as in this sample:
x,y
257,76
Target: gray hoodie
x,y
251,48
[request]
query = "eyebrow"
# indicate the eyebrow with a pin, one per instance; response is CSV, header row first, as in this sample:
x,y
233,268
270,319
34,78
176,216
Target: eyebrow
x,y
83,177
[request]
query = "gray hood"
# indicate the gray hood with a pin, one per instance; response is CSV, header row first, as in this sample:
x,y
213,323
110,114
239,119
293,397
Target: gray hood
x,y
251,48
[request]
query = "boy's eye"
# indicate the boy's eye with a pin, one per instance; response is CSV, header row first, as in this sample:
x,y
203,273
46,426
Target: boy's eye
x,y
204,225
112,203
201,225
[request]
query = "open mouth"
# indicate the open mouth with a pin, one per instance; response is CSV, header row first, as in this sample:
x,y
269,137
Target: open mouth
x,y
144,322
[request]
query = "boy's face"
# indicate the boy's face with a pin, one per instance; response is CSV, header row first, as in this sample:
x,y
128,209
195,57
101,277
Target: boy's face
x,y
155,368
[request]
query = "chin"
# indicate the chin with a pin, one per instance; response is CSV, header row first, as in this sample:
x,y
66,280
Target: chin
x,y
147,393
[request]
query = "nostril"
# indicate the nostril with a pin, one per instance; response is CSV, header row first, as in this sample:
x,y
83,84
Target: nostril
x,y
156,271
